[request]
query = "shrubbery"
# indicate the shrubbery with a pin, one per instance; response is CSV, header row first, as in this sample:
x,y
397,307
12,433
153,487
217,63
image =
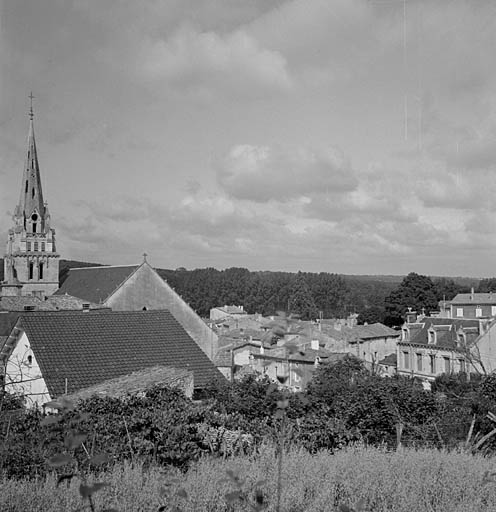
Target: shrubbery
x,y
344,404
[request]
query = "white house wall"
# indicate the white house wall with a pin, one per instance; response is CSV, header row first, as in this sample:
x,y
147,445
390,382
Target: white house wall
x,y
23,375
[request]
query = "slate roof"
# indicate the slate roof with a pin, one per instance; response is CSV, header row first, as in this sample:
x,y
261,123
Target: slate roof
x,y
95,284
90,347
446,332
476,298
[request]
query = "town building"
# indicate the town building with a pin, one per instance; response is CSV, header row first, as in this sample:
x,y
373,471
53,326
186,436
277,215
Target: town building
x,y
221,312
137,288
372,343
31,261
432,346
472,305
49,354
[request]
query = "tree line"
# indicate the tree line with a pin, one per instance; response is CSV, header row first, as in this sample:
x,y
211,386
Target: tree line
x,y
307,294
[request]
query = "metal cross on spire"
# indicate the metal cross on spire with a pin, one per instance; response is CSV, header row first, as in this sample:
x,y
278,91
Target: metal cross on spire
x,y
31,98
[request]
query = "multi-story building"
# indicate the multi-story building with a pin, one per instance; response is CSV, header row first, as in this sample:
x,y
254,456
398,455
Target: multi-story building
x,y
433,346
472,305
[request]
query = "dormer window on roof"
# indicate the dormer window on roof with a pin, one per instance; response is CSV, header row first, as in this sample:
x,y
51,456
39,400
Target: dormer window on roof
x,y
431,336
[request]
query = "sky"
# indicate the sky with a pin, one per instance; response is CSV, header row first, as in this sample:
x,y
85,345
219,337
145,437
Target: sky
x,y
348,136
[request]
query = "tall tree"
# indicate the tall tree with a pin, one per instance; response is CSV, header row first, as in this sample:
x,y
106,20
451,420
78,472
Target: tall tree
x,y
487,285
415,291
300,301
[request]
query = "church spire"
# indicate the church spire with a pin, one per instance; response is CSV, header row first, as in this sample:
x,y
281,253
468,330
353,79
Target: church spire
x,y
31,207
31,265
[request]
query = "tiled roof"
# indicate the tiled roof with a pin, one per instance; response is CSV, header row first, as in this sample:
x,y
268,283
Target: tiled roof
x,y
476,298
19,303
137,382
389,360
232,310
67,302
376,330
87,348
95,284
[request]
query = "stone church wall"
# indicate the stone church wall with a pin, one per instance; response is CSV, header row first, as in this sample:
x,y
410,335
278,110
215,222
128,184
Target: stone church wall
x,y
146,289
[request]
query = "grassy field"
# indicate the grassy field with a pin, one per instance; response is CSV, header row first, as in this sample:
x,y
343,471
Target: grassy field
x,y
405,481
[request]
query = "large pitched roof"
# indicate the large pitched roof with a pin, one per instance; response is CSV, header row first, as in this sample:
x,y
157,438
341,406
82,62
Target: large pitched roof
x,y
474,298
87,348
95,284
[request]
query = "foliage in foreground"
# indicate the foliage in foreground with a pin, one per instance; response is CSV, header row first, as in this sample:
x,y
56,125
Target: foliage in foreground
x,y
344,404
403,481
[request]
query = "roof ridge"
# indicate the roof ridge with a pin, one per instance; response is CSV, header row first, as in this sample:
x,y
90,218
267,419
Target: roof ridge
x,y
104,266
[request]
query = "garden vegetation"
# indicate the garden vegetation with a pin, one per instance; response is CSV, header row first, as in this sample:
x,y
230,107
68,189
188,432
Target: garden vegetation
x,y
353,440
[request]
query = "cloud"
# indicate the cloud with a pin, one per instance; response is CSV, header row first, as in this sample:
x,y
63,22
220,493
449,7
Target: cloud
x,y
261,174
210,63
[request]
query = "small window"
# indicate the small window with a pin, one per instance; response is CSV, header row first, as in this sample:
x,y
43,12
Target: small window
x,y
86,305
493,310
419,362
478,312
447,365
28,246
27,187
40,271
34,227
459,312
31,270
43,246
432,363
406,360
32,192
36,246
29,360
29,308
431,337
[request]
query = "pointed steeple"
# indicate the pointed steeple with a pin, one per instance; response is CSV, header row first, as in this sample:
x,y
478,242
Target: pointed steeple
x,y
31,261
31,210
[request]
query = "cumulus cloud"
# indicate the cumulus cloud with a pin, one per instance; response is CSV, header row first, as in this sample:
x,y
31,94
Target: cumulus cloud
x,y
207,62
261,174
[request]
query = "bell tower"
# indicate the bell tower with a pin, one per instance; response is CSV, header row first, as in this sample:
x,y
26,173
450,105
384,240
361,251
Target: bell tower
x,y
31,261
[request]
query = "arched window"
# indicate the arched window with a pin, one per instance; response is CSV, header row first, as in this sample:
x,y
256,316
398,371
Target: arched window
x,y
31,270
40,271
27,186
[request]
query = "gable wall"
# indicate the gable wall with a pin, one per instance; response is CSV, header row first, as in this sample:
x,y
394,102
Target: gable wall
x,y
28,377
373,350
145,288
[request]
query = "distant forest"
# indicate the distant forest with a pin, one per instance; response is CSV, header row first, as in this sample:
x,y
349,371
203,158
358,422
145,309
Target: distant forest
x,y
304,293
